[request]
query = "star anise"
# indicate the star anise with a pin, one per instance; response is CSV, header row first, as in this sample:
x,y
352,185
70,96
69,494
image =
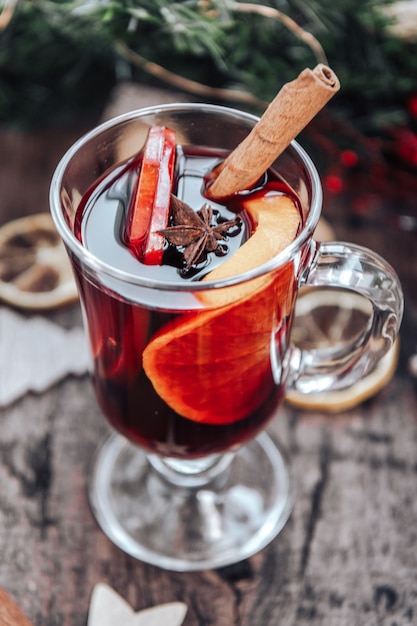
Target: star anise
x,y
194,231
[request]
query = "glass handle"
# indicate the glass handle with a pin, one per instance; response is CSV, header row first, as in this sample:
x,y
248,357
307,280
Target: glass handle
x,y
355,268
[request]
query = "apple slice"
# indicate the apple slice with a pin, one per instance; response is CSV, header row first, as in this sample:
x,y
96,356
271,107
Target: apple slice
x,y
149,209
277,221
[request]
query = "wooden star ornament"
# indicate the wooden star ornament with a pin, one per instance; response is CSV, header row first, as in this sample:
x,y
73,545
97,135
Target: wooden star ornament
x,y
107,608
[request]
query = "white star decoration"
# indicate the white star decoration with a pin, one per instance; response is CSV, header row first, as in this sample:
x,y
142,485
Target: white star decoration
x,y
107,608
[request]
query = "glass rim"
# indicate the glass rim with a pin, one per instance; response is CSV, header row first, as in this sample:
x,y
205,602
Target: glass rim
x,y
95,264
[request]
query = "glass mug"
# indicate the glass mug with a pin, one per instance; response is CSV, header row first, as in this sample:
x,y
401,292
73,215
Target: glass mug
x,y
190,373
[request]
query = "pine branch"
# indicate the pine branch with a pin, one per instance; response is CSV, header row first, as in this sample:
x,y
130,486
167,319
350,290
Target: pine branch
x,y
65,55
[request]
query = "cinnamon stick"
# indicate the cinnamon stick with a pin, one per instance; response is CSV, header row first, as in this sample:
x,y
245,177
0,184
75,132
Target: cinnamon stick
x,y
10,614
295,105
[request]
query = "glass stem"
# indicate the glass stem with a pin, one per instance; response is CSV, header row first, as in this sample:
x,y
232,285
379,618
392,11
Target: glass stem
x,y
192,472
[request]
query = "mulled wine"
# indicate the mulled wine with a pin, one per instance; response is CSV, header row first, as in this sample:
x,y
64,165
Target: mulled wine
x,y
185,381
188,312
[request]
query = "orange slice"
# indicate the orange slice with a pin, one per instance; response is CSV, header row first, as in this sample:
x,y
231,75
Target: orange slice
x,y
35,272
326,316
215,366
277,220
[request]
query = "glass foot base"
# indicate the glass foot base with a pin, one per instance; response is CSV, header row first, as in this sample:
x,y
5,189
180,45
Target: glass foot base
x,y
183,528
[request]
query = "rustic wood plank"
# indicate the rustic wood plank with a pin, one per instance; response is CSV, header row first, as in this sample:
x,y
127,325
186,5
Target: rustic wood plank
x,y
347,553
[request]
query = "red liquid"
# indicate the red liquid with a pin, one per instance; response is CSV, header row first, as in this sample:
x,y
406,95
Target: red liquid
x,y
228,367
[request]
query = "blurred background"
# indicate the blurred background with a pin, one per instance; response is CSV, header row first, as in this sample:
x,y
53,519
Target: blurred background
x,y
63,61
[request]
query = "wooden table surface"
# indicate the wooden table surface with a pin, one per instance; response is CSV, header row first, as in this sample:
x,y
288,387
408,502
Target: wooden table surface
x,y
348,555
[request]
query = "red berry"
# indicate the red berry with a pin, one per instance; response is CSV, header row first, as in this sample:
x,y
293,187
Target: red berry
x,y
333,183
412,105
349,158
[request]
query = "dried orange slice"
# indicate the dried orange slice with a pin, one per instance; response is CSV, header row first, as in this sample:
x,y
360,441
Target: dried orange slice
x,y
323,317
35,272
